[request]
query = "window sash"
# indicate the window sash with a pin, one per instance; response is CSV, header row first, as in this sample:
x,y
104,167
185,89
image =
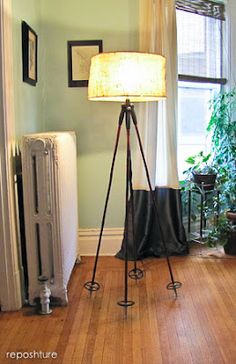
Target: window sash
x,y
189,78
202,7
184,74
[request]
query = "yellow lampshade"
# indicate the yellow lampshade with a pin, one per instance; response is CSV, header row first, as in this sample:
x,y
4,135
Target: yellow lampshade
x,y
127,75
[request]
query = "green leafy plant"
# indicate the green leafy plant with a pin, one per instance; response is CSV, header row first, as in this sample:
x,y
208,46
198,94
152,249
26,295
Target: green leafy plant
x,y
195,201
222,125
219,234
222,161
200,164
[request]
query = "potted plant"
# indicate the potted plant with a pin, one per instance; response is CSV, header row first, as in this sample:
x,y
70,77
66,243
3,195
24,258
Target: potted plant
x,y
230,246
200,179
201,170
222,125
228,201
224,233
219,234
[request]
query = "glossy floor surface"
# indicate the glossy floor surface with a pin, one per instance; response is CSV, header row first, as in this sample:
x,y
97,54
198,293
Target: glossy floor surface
x,y
198,327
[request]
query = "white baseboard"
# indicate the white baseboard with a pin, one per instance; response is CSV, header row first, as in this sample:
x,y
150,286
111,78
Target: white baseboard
x,y
110,245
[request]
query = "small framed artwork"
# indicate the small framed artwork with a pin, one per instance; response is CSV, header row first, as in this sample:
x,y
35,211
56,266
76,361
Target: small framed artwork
x,y
80,53
29,54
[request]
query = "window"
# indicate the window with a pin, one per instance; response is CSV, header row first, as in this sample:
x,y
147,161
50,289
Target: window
x,y
199,32
193,118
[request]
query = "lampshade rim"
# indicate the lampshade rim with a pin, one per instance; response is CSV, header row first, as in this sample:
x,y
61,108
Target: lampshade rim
x,y
128,52
132,98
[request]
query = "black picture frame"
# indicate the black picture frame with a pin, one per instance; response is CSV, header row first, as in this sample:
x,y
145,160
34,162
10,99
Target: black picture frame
x,y
80,53
29,54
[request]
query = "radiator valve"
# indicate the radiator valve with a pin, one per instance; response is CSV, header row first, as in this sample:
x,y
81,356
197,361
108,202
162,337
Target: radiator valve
x,y
45,294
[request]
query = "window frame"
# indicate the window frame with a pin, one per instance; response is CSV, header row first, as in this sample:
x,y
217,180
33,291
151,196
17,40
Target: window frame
x,y
221,81
197,7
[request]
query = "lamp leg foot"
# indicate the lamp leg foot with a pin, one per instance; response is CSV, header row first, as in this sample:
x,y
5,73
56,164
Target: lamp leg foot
x,y
174,286
125,303
92,286
136,273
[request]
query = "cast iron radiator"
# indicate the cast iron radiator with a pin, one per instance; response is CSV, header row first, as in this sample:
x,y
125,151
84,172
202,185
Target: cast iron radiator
x,y
50,210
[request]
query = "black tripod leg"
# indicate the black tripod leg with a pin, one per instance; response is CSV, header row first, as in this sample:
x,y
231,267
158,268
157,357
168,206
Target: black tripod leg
x,y
174,285
92,285
135,273
126,302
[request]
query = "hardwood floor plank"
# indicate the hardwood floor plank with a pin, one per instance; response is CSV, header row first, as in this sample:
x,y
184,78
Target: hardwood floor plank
x,y
199,327
101,347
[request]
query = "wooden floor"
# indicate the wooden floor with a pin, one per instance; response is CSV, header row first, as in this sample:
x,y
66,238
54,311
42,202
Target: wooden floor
x,y
199,327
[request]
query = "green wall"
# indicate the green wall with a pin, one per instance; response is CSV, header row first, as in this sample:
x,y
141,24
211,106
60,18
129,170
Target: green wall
x,y
55,106
28,101
116,23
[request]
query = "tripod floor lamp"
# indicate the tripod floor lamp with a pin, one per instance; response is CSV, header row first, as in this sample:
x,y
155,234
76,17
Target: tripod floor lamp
x,y
128,77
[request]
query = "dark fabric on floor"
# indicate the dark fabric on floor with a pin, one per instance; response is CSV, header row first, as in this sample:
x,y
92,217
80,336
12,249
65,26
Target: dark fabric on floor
x,y
150,231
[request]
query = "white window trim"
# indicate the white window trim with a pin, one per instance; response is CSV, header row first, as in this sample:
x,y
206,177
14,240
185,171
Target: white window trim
x,y
10,284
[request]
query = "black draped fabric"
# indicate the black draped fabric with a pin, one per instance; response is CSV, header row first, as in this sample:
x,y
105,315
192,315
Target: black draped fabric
x,y
147,236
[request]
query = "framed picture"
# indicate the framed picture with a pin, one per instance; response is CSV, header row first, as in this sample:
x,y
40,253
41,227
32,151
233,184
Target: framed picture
x,y
80,53
29,54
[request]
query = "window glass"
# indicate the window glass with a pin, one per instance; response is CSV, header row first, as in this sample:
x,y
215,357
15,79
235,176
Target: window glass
x,y
193,118
199,45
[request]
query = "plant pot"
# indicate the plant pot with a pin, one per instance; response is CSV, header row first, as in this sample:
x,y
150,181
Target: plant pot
x,y
230,246
205,180
231,216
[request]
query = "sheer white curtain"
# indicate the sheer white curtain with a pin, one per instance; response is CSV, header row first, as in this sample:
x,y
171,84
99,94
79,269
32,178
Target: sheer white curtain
x,y
157,121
